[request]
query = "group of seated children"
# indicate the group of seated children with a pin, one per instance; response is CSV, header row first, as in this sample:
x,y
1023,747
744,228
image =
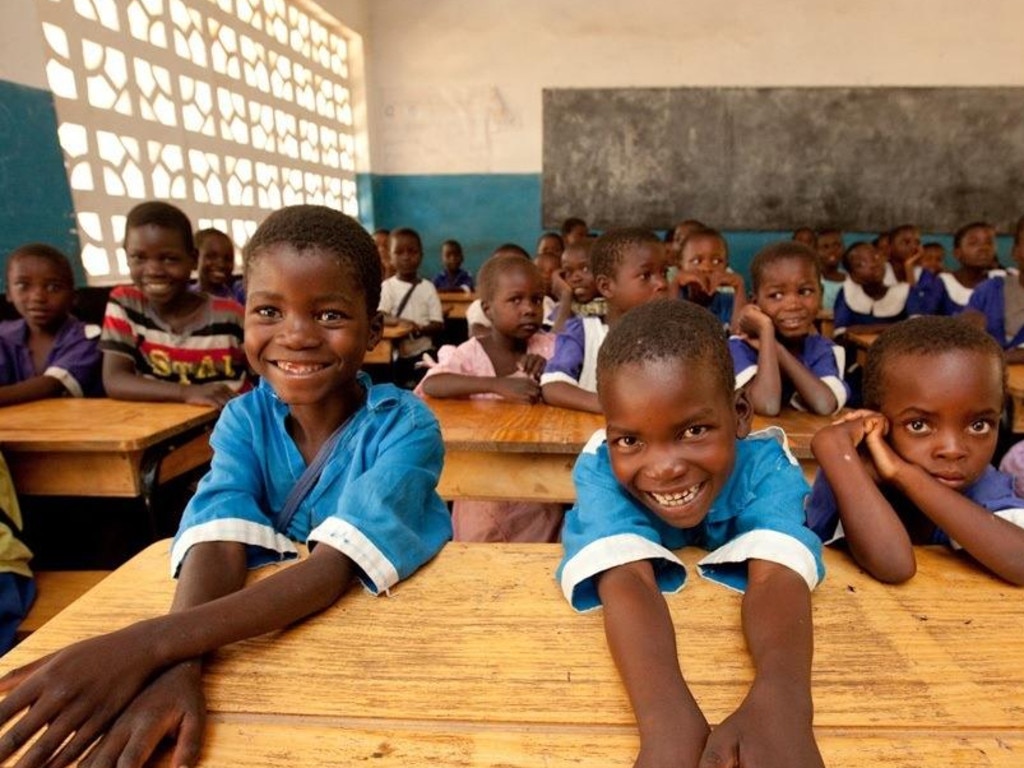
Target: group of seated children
x,y
319,454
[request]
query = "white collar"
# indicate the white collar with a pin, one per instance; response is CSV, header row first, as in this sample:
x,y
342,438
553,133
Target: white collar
x,y
891,304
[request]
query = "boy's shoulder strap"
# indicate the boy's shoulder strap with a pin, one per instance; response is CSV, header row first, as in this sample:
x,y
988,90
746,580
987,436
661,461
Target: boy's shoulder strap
x,y
405,299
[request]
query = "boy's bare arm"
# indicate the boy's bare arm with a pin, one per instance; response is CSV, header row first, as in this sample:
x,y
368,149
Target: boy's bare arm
x,y
81,689
122,381
642,642
994,542
566,395
515,388
813,391
35,388
774,722
876,537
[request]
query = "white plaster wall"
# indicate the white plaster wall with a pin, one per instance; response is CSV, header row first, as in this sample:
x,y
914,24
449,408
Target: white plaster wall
x,y
454,86
21,44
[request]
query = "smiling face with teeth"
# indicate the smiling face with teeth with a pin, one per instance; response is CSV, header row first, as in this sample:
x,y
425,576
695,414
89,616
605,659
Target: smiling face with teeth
x,y
307,328
789,292
672,432
160,264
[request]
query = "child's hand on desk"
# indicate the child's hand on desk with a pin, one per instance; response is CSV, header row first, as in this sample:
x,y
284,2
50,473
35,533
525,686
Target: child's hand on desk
x,y
173,706
215,393
532,365
762,732
518,389
76,692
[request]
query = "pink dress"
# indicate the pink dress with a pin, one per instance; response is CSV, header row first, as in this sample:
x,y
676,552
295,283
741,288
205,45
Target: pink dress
x,y
503,521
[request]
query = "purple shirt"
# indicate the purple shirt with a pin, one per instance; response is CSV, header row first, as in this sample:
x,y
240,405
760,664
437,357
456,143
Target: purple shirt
x,y
74,361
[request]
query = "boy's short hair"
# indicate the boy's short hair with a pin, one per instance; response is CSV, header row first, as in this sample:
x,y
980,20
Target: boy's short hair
x,y
709,232
205,234
897,230
498,265
453,244
571,223
778,252
609,249
829,231
164,215
926,335
961,233
325,230
660,330
47,252
408,232
554,236
515,248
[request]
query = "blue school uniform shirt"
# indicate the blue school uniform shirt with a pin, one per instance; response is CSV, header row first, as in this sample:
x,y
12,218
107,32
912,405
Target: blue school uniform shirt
x,y
757,515
720,306
822,357
855,307
75,360
575,358
989,298
375,500
992,491
445,282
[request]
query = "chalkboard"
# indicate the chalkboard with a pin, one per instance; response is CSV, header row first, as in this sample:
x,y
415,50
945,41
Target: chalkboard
x,y
862,159
35,199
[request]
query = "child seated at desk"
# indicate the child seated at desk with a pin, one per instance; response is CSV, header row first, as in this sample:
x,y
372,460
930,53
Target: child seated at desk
x,y
915,468
407,298
997,305
504,364
866,301
829,245
453,277
778,355
704,277
315,453
477,321
160,340
630,268
215,274
48,352
575,287
17,587
675,467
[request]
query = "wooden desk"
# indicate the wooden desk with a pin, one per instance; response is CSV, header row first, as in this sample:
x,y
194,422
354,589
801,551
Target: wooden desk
x,y
826,322
1015,388
862,341
477,661
386,350
506,451
102,447
455,303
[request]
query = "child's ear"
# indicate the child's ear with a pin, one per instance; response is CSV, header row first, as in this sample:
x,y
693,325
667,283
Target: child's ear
x,y
376,330
744,413
603,283
485,307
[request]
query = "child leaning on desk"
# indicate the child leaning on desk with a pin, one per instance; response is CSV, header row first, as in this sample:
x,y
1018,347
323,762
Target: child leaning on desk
x,y
504,364
48,352
630,268
160,340
675,467
315,453
778,354
915,468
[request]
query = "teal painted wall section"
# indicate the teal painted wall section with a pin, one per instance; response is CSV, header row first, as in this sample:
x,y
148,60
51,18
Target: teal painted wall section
x,y
484,210
35,199
481,211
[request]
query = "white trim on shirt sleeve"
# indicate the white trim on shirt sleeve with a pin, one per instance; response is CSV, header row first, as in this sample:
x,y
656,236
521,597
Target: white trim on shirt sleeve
x,y
350,541
551,378
744,376
764,544
69,382
230,529
598,556
1014,515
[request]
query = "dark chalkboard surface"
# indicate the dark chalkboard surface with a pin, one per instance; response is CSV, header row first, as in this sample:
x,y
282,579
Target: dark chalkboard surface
x,y
862,159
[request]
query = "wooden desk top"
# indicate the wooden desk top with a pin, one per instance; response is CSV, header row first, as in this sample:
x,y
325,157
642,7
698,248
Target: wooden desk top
x,y
496,425
394,332
862,339
477,660
101,425
456,297
1015,379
